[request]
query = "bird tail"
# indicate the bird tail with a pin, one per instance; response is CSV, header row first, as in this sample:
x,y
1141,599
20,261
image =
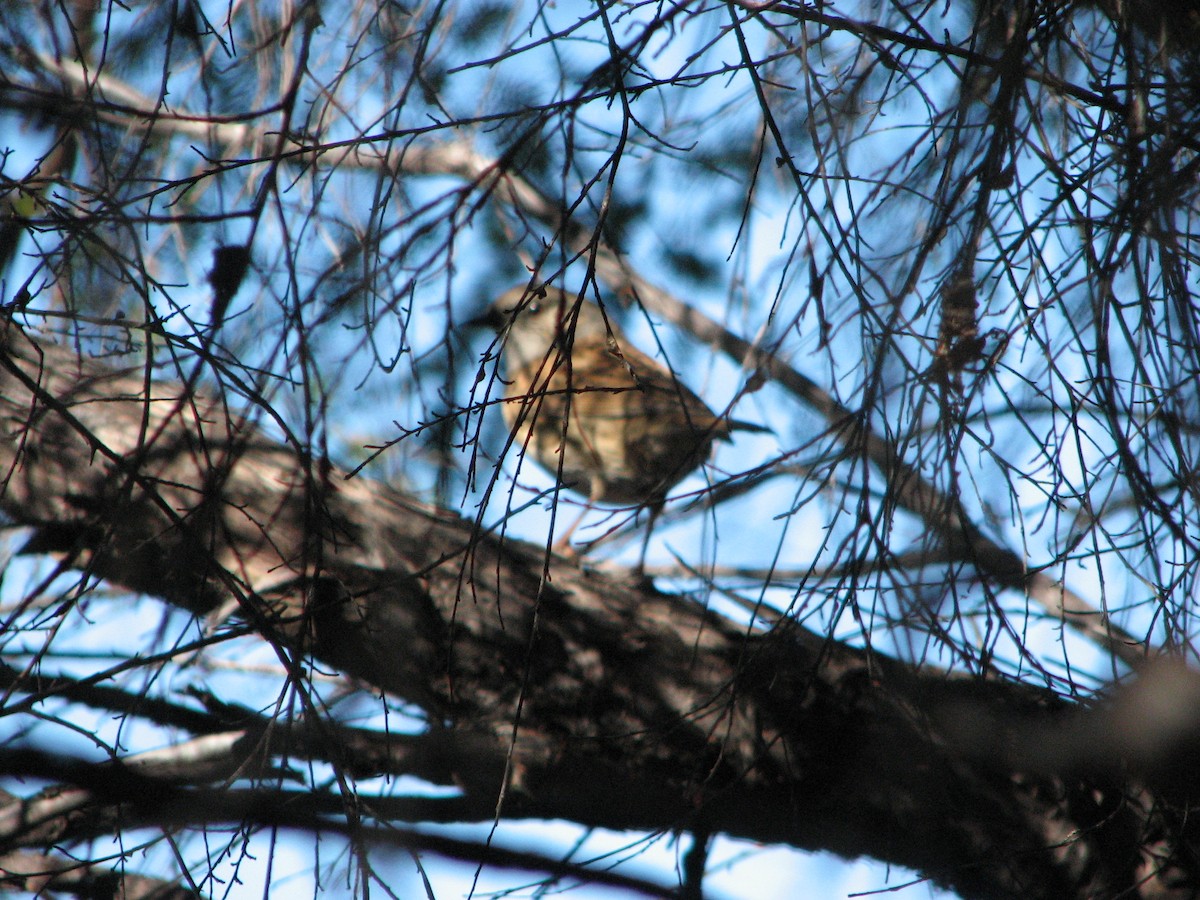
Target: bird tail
x,y
739,425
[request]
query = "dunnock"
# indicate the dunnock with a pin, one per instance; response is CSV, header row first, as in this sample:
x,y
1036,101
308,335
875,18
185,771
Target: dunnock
x,y
597,413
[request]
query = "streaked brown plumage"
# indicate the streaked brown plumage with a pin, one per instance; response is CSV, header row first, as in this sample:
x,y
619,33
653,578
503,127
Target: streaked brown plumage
x,y
633,430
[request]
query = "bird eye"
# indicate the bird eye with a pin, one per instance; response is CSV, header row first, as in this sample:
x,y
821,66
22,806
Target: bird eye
x,y
534,308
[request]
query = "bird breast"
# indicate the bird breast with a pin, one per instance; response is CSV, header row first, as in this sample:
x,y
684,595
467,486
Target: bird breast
x,y
614,437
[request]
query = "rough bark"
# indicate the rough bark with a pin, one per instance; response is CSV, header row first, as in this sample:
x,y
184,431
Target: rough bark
x,y
577,694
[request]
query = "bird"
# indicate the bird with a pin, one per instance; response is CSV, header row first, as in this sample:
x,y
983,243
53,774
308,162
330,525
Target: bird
x,y
604,418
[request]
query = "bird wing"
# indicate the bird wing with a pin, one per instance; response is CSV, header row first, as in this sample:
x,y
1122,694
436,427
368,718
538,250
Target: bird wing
x,y
662,390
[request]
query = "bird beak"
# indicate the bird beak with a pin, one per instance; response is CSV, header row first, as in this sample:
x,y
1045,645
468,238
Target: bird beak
x,y
492,318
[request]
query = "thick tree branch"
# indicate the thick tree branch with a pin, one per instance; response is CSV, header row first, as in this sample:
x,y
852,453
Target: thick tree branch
x,y
636,709
39,874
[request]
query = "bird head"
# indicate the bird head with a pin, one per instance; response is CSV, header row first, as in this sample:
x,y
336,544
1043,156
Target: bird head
x,y
531,322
